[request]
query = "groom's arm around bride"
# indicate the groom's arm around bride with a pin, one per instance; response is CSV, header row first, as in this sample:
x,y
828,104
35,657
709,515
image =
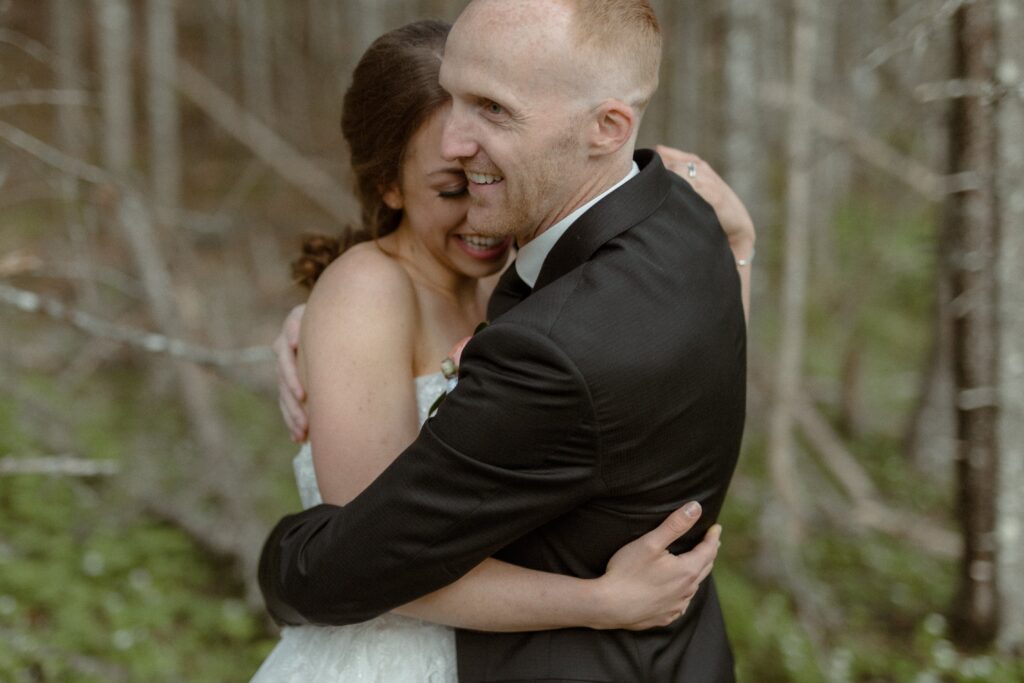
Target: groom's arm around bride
x,y
609,396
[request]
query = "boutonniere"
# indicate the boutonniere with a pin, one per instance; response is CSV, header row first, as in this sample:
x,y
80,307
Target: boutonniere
x,y
450,368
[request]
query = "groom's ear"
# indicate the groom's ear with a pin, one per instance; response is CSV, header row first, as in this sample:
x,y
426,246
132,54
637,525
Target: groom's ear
x,y
612,126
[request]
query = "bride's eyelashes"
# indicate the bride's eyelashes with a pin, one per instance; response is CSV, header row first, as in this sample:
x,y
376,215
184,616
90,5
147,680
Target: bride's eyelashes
x,y
454,194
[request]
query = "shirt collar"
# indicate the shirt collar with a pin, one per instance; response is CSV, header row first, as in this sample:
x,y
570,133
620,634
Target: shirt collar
x,y
531,256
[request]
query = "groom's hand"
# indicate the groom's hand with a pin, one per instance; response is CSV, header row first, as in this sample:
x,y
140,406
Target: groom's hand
x,y
646,586
291,396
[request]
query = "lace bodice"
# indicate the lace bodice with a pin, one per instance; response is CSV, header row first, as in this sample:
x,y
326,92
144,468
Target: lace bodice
x,y
428,388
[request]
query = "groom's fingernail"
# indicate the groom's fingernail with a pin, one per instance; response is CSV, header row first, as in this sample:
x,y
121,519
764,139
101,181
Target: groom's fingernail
x,y
692,509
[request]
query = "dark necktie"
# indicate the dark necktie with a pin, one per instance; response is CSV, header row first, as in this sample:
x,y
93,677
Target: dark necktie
x,y
510,290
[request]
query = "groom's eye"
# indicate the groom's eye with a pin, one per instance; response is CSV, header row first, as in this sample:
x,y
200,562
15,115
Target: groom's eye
x,y
493,109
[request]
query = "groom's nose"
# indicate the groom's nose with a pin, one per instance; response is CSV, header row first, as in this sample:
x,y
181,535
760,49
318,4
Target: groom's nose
x,y
457,141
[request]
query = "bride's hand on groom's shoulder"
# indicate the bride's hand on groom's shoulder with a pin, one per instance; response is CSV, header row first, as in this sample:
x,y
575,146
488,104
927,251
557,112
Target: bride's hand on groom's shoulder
x,y
291,396
645,585
732,214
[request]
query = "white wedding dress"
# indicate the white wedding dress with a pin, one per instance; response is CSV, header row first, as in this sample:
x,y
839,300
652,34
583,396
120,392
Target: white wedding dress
x,y
388,649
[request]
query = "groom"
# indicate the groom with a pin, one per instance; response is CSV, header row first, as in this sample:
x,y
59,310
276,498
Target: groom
x,y
609,388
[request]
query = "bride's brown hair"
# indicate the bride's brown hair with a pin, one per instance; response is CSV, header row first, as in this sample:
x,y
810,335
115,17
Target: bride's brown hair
x,y
394,91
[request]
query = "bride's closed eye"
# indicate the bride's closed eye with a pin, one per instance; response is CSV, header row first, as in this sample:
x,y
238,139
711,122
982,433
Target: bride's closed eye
x,y
453,194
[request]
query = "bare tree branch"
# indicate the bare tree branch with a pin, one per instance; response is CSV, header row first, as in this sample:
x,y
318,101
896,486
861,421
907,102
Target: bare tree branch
x,y
867,509
33,48
30,302
865,146
291,165
54,157
914,26
58,465
57,98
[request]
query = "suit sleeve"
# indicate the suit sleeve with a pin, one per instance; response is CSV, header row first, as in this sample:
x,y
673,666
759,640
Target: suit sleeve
x,y
512,447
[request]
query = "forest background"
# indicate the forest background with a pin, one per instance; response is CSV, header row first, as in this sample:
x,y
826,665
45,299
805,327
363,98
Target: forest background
x,y
160,161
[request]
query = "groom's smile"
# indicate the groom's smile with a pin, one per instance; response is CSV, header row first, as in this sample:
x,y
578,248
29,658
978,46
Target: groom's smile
x,y
518,117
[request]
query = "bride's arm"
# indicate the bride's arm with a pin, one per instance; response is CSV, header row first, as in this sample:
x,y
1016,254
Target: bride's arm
x,y
356,347
355,360
644,586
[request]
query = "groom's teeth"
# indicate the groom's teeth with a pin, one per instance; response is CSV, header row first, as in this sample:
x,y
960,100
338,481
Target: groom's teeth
x,y
482,242
483,178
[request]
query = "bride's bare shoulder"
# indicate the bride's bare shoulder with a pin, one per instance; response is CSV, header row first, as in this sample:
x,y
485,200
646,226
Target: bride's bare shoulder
x,y
364,280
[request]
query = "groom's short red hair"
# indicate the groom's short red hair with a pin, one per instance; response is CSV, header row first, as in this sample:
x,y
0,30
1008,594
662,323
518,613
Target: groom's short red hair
x,y
622,37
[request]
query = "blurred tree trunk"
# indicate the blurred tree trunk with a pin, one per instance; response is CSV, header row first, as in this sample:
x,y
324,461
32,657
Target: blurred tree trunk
x,y
367,22
781,444
1010,165
688,85
164,117
74,138
256,55
218,44
213,478
931,435
326,27
743,154
972,215
292,71
115,48
66,25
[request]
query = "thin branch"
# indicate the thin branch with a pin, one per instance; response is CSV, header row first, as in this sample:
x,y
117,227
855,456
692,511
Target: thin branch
x,y
54,157
31,302
957,88
865,146
273,150
867,509
58,465
57,98
923,19
33,48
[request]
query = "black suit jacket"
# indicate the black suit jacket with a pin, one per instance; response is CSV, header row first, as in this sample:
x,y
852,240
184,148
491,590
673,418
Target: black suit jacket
x,y
584,415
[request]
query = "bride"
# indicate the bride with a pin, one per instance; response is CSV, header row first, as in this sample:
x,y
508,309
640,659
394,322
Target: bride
x,y
387,305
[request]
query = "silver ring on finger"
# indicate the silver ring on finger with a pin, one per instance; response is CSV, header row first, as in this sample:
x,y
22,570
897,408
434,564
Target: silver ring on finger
x,y
691,169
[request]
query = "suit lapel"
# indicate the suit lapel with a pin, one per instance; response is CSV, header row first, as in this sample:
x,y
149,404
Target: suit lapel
x,y
609,218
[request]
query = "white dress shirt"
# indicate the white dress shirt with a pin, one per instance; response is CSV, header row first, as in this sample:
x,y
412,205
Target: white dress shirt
x,y
530,258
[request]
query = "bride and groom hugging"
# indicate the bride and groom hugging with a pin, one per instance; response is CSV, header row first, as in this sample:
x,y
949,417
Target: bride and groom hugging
x,y
607,391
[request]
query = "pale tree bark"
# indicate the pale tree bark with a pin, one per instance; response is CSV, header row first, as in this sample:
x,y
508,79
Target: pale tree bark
x,y
217,472
975,337
68,42
292,71
931,431
743,153
326,26
73,136
164,116
688,86
1010,169
256,55
675,121
781,444
114,37
218,43
931,436
367,21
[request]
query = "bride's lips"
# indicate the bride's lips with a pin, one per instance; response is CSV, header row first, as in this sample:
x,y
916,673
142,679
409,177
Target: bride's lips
x,y
484,248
